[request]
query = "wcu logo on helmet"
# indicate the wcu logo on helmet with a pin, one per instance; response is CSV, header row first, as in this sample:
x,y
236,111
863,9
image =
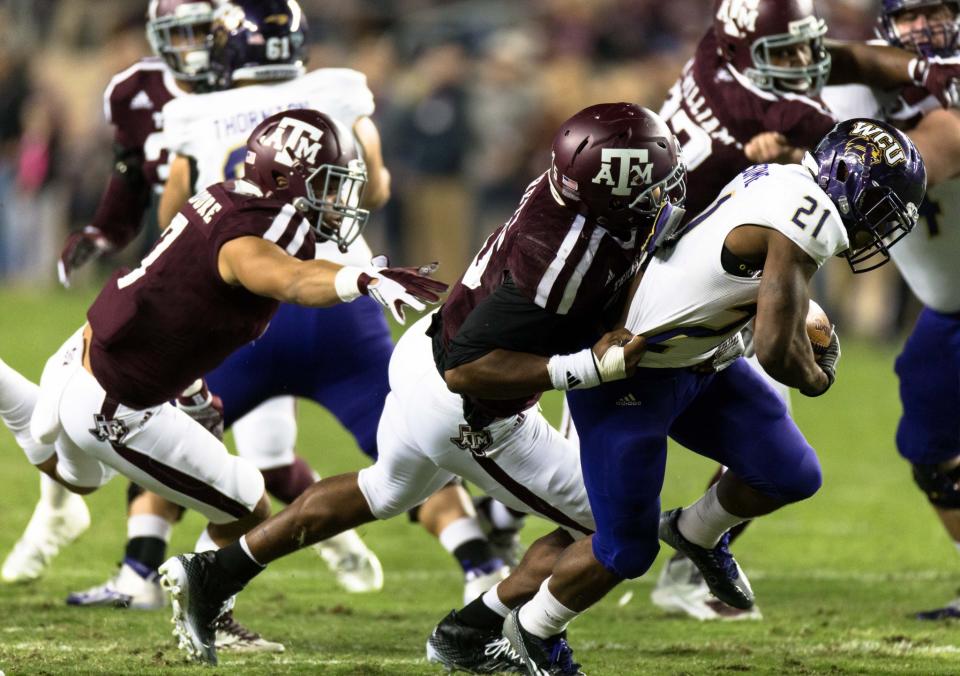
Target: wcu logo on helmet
x,y
311,161
876,178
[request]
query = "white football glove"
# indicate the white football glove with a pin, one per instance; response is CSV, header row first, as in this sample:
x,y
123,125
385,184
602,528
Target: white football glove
x,y
394,288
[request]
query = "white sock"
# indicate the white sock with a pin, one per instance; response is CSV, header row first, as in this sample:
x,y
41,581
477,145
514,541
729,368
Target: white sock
x,y
149,526
205,543
543,615
462,530
492,601
705,521
52,494
503,518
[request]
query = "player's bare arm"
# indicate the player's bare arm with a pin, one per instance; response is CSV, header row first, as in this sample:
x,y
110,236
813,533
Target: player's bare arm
x,y
377,190
937,137
506,374
780,336
265,269
175,192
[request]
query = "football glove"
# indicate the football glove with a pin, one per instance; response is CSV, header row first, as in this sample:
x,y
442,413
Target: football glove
x,y
198,402
938,75
828,361
397,288
80,248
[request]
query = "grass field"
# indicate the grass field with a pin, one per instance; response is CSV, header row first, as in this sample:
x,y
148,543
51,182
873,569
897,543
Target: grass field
x,y
836,577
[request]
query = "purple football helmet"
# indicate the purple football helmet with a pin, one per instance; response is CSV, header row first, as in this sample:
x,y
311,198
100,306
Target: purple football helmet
x,y
618,163
257,40
749,34
876,178
178,32
937,37
311,161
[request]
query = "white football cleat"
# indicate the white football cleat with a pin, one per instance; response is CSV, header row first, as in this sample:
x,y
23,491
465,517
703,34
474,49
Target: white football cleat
x,y
234,637
49,531
477,581
129,588
681,589
357,568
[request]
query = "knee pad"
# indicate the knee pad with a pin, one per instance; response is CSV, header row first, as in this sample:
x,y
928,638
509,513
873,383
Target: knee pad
x,y
626,560
939,485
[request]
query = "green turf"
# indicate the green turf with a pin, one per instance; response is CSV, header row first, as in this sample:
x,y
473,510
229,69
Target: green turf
x,y
836,577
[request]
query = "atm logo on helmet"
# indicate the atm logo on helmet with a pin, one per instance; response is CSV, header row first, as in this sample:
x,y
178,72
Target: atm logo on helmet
x,y
893,152
634,169
739,16
300,140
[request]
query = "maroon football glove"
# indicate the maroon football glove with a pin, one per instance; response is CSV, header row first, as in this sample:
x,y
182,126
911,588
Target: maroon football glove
x,y
939,76
80,248
396,288
198,402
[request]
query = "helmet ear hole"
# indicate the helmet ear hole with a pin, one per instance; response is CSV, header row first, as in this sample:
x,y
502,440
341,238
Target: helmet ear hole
x,y
841,171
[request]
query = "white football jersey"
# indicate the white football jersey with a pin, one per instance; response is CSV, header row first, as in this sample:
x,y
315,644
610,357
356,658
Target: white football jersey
x,y
687,305
927,257
213,128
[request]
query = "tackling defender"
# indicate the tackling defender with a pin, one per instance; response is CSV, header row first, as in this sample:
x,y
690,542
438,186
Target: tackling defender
x,y
104,396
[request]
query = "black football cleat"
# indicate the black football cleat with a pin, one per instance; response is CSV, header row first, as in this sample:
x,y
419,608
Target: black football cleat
x,y
196,607
460,647
541,657
720,570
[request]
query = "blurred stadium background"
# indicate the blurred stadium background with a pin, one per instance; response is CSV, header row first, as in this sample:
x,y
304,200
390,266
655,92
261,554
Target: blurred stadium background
x,y
468,95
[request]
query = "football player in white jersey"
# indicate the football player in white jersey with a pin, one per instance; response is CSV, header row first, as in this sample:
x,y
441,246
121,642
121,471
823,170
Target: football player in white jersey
x,y
255,62
745,255
928,434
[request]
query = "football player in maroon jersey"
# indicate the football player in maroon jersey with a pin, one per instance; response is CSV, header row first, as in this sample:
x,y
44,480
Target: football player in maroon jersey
x,y
177,32
210,285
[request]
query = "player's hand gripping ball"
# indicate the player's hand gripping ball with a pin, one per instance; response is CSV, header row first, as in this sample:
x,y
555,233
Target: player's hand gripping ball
x,y
819,329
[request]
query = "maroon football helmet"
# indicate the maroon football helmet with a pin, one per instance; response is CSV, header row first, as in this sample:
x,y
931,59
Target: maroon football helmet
x,y
311,161
178,32
618,163
750,33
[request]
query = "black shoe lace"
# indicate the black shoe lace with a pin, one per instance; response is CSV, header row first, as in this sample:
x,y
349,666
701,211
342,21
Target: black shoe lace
x,y
561,654
226,623
721,554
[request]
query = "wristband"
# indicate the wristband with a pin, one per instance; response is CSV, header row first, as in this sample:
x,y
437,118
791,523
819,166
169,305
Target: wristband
x,y
347,283
574,371
195,396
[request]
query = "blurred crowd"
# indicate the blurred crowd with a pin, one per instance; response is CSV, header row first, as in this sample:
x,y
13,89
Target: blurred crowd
x,y
468,95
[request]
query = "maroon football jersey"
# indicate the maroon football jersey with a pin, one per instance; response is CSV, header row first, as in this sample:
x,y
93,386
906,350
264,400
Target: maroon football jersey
x,y
561,261
715,111
158,328
133,103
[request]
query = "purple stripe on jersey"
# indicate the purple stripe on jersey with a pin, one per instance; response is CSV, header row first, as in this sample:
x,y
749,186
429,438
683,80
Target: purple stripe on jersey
x,y
171,477
526,496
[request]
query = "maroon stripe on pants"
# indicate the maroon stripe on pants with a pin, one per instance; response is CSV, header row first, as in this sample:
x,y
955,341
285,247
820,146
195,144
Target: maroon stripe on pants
x,y
171,477
526,496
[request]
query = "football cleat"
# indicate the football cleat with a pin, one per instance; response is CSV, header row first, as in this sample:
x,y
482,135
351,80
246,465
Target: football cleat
x,y
720,570
48,531
187,581
233,636
951,611
478,580
133,586
357,568
505,542
460,647
681,589
541,657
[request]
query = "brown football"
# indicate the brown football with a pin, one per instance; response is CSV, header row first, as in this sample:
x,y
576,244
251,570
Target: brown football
x,y
819,329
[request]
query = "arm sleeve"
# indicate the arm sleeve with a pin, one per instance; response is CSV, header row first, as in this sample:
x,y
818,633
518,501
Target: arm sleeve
x,y
119,215
803,124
